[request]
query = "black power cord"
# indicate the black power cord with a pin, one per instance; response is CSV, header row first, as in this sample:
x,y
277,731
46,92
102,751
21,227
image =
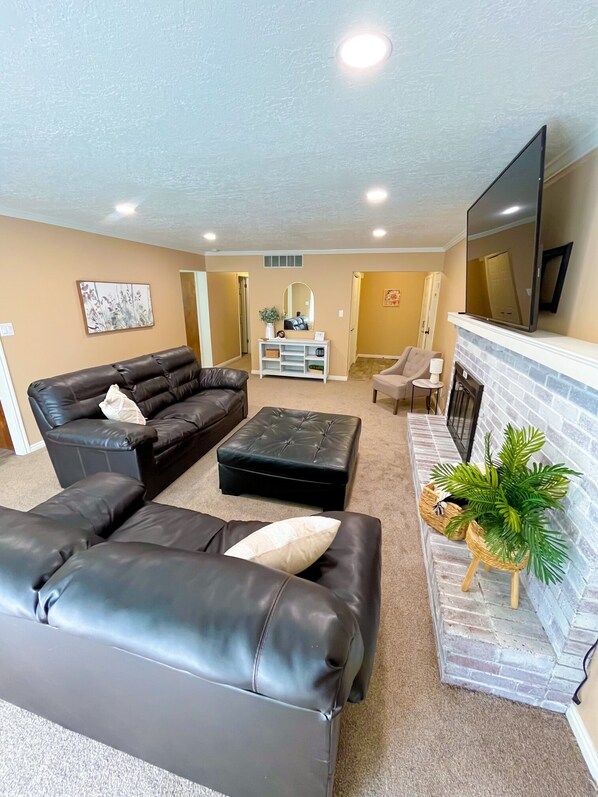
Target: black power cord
x,y
586,662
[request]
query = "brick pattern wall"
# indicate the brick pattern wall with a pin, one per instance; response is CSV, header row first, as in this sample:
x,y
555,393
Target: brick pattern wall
x,y
519,391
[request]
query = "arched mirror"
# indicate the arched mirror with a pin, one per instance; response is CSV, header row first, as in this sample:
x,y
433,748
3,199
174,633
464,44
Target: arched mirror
x,y
298,304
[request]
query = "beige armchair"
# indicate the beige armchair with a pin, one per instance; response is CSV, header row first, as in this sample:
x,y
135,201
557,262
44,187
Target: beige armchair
x,y
396,380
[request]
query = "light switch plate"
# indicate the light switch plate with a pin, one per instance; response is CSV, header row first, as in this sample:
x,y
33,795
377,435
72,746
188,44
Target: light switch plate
x,y
6,330
341,313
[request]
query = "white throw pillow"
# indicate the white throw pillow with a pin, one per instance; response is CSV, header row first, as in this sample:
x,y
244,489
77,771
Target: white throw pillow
x,y
288,545
117,407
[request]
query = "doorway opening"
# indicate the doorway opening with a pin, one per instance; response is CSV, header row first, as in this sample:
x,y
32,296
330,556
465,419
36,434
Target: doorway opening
x,y
216,309
390,310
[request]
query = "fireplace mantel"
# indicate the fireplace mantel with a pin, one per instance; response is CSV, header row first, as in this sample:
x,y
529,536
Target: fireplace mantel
x,y
577,359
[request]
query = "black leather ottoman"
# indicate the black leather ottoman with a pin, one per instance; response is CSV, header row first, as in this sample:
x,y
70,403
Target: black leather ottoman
x,y
305,457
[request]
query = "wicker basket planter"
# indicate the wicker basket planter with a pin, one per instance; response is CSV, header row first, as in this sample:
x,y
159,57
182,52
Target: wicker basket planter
x,y
480,553
437,514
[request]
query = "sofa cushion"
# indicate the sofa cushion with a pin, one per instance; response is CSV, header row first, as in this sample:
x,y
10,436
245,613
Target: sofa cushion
x,y
394,385
171,527
147,384
170,432
202,410
32,549
181,369
70,397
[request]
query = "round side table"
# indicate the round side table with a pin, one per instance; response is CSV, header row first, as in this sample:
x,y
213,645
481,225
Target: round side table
x,y
432,387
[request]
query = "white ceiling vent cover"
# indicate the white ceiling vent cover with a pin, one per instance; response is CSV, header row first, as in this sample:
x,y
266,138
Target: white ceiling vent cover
x,y
283,261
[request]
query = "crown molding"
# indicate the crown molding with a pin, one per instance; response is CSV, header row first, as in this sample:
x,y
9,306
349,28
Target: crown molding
x,y
260,252
578,150
455,240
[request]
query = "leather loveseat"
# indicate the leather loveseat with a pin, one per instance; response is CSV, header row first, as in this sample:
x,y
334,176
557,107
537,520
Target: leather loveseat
x,y
188,410
121,620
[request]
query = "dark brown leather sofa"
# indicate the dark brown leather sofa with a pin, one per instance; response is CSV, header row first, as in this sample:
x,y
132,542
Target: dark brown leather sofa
x,y
121,620
188,410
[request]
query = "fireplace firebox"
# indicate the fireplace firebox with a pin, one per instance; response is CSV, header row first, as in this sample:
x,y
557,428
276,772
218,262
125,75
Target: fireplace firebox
x,y
463,410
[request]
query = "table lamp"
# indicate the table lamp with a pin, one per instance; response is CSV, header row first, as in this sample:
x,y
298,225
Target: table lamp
x,y
436,366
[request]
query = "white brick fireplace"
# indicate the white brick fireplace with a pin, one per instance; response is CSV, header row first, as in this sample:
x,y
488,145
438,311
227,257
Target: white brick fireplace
x,y
533,654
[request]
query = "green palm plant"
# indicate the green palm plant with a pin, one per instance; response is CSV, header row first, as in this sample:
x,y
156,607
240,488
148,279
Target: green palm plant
x,y
508,498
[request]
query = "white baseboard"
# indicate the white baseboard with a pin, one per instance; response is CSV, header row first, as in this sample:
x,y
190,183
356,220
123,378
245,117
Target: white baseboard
x,y
36,446
584,740
381,356
228,362
257,373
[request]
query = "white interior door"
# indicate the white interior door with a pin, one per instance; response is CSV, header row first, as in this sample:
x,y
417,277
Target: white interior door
x,y
354,316
243,320
501,288
427,320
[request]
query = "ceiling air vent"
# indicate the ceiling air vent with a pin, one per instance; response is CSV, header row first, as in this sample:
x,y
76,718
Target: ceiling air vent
x,y
283,261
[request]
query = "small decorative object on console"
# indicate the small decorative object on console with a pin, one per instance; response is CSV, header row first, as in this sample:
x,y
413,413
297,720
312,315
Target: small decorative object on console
x,y
280,334
270,315
320,336
320,351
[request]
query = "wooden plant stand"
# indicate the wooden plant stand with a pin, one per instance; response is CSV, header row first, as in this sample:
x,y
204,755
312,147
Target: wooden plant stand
x,y
479,550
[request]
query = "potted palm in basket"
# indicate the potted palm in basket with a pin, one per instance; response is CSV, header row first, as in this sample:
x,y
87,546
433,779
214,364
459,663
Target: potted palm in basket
x,y
507,500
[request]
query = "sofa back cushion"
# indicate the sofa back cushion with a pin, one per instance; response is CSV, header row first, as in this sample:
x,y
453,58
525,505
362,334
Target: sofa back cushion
x,y
181,369
146,384
32,549
70,397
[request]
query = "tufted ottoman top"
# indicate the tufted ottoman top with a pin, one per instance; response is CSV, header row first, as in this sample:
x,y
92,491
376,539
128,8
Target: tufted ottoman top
x,y
316,446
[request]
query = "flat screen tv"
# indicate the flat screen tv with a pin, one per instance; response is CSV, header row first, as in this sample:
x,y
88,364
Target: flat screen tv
x,y
503,243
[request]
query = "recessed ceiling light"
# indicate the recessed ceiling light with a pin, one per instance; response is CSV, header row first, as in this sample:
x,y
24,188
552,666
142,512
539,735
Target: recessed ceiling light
x,y
126,208
209,236
365,50
376,195
512,209
379,232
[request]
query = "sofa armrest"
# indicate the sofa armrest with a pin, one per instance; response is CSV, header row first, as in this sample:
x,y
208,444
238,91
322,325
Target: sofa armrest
x,y
104,434
225,620
231,378
99,503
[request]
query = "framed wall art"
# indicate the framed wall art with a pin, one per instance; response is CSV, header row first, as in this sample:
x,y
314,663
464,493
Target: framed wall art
x,y
392,297
115,306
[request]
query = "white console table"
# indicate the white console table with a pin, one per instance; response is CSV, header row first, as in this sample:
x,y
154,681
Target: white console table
x,y
294,358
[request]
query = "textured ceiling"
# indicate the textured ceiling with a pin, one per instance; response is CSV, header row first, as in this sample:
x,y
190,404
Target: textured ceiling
x,y
236,117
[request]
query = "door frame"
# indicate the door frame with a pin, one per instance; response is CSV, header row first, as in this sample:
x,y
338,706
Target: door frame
x,y
354,319
12,412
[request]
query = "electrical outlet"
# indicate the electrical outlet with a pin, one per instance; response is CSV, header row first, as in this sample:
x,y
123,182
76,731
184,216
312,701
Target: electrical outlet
x,y
341,313
6,330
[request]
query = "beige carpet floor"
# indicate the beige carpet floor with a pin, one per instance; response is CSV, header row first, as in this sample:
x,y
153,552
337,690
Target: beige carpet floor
x,y
413,736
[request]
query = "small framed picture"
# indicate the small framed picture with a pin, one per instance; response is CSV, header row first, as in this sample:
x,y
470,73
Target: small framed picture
x,y
320,336
391,298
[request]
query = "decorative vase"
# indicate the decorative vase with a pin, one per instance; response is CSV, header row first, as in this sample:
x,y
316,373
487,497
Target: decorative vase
x,y
270,332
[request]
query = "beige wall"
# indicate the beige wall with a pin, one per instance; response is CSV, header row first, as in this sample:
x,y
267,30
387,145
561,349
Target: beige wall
x,y
570,213
39,267
451,299
223,298
388,330
329,276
